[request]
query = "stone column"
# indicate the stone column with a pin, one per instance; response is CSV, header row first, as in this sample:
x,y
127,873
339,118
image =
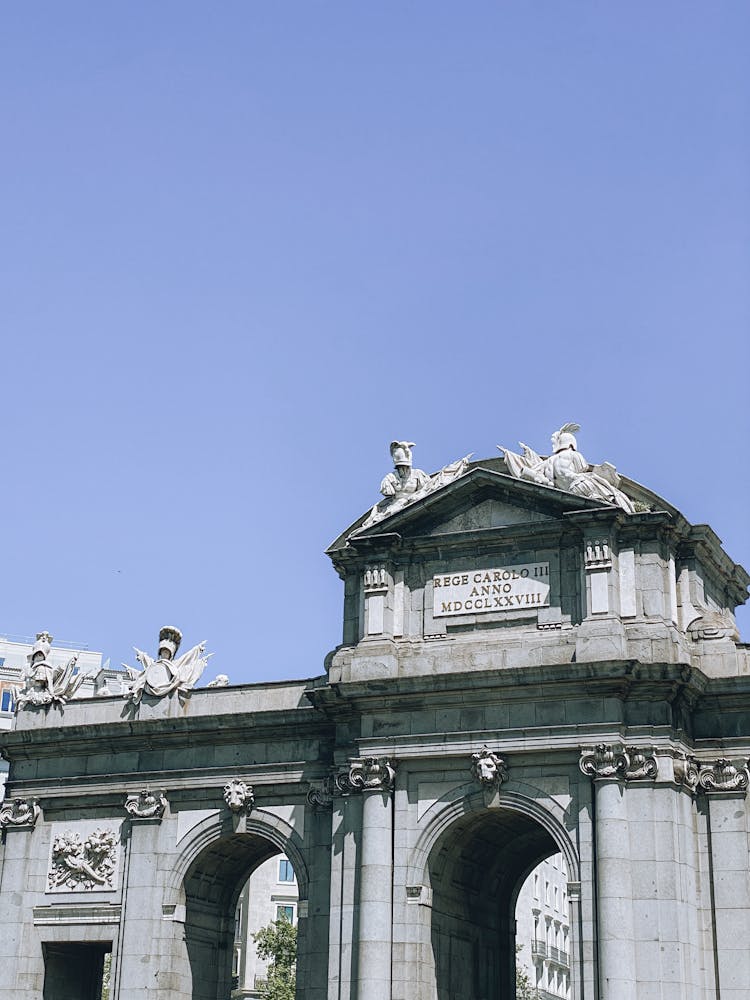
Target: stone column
x,y
21,969
726,787
374,778
609,767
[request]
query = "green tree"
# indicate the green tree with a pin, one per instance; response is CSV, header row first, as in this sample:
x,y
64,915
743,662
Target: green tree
x,y
524,989
277,944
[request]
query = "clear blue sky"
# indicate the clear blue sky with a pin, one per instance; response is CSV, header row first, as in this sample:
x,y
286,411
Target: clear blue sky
x,y
247,244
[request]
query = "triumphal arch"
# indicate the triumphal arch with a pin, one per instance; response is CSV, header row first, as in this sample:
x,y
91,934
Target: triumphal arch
x,y
538,655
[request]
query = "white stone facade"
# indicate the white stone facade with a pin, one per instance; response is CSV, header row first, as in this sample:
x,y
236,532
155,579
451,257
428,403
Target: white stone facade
x,y
418,781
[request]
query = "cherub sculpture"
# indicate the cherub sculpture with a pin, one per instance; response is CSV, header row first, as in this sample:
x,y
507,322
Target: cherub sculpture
x,y
166,674
567,469
44,683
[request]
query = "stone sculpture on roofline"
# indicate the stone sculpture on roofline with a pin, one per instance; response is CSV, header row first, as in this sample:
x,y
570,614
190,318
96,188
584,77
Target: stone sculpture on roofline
x,y
165,674
44,683
406,484
567,469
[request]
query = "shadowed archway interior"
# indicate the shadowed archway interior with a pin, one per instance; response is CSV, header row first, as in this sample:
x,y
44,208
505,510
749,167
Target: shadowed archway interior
x,y
212,886
476,871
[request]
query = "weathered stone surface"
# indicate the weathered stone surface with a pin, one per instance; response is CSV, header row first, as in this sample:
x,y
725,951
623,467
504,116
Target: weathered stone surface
x,y
415,782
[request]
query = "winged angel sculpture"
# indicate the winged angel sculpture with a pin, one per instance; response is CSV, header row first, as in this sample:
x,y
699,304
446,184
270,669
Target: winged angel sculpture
x,y
165,674
44,683
567,469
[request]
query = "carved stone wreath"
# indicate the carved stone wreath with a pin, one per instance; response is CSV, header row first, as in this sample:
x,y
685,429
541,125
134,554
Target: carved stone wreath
x,y
83,864
19,812
238,795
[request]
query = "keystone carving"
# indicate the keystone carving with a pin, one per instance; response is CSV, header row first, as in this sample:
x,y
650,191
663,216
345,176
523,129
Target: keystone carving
x,y
146,805
19,812
488,769
88,864
630,763
723,776
239,796
368,774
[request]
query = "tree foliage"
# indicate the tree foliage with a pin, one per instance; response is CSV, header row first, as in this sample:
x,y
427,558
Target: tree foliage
x,y
277,944
524,988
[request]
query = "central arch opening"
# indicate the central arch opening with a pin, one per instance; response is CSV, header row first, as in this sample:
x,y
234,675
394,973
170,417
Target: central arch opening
x,y
476,871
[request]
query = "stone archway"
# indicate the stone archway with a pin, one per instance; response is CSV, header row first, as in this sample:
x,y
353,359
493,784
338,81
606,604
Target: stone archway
x,y
474,858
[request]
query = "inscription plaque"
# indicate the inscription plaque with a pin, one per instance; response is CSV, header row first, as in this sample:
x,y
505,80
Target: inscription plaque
x,y
482,591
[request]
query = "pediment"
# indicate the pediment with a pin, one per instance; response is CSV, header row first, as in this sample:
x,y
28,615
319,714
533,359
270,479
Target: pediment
x,y
481,498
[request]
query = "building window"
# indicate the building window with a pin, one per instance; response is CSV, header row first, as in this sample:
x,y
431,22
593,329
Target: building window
x,y
546,893
6,703
536,886
286,872
557,898
285,913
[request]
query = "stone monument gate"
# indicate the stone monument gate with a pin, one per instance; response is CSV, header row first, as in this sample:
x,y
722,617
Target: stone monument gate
x,y
530,664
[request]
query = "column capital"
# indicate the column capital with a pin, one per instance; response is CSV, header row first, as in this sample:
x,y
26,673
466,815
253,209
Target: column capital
x,y
618,762
723,776
19,813
367,774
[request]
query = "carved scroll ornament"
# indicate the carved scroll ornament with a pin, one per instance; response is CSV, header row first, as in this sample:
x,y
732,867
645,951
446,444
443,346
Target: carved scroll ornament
x,y
146,805
723,776
19,812
367,774
630,764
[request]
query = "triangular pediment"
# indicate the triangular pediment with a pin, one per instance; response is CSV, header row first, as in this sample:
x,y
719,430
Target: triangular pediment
x,y
481,498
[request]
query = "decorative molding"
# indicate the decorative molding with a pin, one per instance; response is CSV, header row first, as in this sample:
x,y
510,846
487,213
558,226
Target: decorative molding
x,y
320,794
238,795
488,769
603,761
376,578
597,555
687,772
625,763
83,864
145,805
723,776
19,813
367,774
642,764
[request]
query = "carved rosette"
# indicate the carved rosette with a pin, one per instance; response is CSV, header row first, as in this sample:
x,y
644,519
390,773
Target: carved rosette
x,y
146,805
239,796
723,776
488,769
686,772
367,774
19,813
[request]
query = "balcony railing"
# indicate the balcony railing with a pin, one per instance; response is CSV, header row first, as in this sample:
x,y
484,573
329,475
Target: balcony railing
x,y
558,956
539,949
